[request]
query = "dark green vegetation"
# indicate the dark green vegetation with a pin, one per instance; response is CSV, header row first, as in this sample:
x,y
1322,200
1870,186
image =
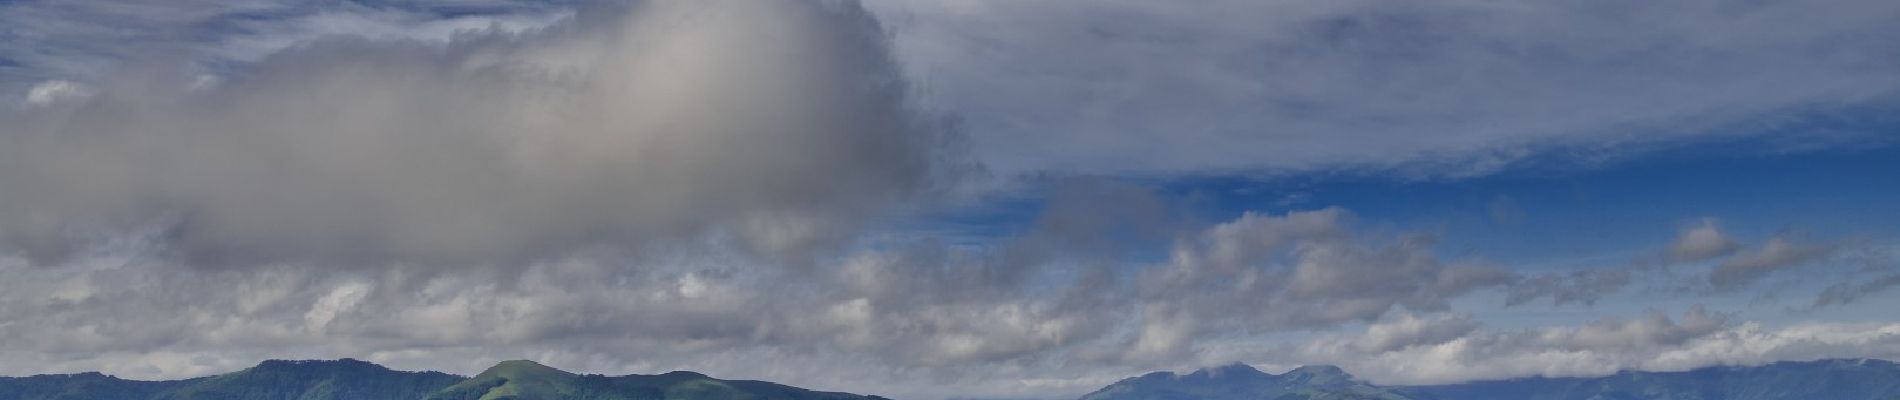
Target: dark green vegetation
x,y
526,380
1827,379
86,386
348,379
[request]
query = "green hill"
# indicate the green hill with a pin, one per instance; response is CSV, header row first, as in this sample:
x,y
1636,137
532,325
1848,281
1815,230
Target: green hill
x,y
345,379
86,386
526,380
348,379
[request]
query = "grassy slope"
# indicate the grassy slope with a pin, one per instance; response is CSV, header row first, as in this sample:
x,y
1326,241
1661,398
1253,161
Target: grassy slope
x,y
313,380
525,380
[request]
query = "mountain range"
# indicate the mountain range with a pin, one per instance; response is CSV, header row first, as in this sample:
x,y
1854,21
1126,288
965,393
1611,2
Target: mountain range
x,y
1856,379
348,379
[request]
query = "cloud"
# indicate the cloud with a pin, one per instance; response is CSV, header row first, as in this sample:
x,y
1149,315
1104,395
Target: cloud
x,y
1303,270
1410,330
1654,329
1574,287
1075,86
1734,266
252,39
770,123
1880,271
926,318
1417,89
1854,290
54,91
93,40
1653,342
1777,254
1702,242
705,185
638,178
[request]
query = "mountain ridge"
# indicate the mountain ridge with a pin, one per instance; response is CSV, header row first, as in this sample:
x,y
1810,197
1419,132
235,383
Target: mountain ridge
x,y
351,379
1832,379
1243,382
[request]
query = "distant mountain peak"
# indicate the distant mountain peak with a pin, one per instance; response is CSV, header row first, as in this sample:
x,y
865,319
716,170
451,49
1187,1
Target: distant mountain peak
x,y
1229,371
311,363
685,375
1320,369
1321,375
1244,382
1236,367
519,368
521,364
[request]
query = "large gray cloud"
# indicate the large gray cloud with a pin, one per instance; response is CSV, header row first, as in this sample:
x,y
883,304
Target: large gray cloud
x,y
1441,88
769,122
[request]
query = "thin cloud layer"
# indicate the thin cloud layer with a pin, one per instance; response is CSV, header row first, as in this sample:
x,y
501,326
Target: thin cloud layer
x,y
1299,271
1424,89
91,40
1779,253
1654,342
1710,258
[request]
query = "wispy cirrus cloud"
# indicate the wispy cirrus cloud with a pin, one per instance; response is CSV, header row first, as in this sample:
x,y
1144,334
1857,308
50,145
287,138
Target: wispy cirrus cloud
x,y
91,41
1422,90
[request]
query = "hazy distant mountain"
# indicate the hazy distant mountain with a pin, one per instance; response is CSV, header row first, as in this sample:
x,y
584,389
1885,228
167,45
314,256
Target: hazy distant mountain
x,y
1827,379
359,380
1241,382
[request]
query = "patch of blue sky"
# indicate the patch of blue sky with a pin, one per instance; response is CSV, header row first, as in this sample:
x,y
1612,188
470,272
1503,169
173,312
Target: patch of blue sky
x,y
1557,217
1561,219
1578,217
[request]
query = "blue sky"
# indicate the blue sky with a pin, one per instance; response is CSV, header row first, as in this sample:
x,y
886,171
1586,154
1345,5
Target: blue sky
x,y
1562,216
948,199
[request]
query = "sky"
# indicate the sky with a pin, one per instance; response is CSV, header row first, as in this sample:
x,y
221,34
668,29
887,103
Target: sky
x,y
951,199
